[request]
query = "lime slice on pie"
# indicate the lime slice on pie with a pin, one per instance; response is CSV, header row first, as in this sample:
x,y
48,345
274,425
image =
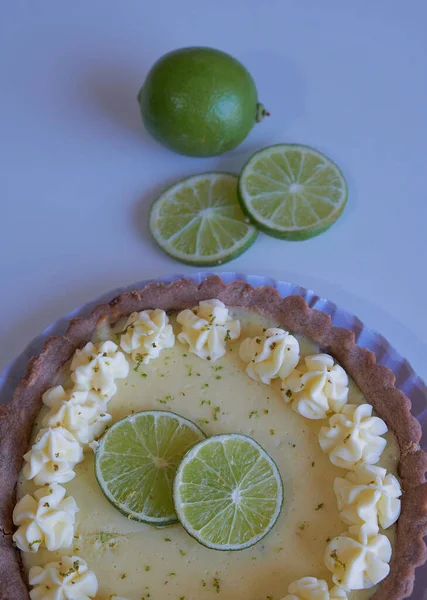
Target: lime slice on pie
x,y
292,191
228,492
199,220
136,461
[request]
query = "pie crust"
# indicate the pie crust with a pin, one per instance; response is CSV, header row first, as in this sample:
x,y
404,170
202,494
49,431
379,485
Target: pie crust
x,y
375,381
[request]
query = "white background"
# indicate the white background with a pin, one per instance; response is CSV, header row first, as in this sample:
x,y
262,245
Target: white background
x,y
78,172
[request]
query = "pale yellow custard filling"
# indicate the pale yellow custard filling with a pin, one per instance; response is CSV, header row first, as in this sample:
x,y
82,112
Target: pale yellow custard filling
x,y
136,561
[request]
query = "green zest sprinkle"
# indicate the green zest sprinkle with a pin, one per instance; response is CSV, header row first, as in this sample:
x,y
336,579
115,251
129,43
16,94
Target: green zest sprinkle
x,y
71,570
189,370
203,421
182,552
208,402
167,398
205,385
218,377
168,540
218,368
104,536
253,413
319,506
147,568
31,544
215,583
334,557
216,410
271,431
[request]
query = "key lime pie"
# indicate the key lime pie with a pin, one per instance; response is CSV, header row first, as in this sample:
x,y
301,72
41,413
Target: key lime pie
x,y
212,441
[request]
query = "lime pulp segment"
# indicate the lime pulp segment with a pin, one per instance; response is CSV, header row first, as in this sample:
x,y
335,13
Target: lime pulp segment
x,y
292,191
136,461
199,220
228,492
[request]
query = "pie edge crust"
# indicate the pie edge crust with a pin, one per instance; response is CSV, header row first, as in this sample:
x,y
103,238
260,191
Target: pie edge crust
x,y
375,381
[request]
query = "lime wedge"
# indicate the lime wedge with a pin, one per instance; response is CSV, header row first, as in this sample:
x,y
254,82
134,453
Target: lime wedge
x,y
199,220
136,461
291,191
228,492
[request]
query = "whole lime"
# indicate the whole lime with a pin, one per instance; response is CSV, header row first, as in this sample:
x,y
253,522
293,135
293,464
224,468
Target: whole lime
x,y
199,101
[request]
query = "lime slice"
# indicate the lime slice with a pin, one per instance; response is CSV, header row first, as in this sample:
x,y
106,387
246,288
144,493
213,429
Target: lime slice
x,y
228,492
136,461
291,191
199,220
